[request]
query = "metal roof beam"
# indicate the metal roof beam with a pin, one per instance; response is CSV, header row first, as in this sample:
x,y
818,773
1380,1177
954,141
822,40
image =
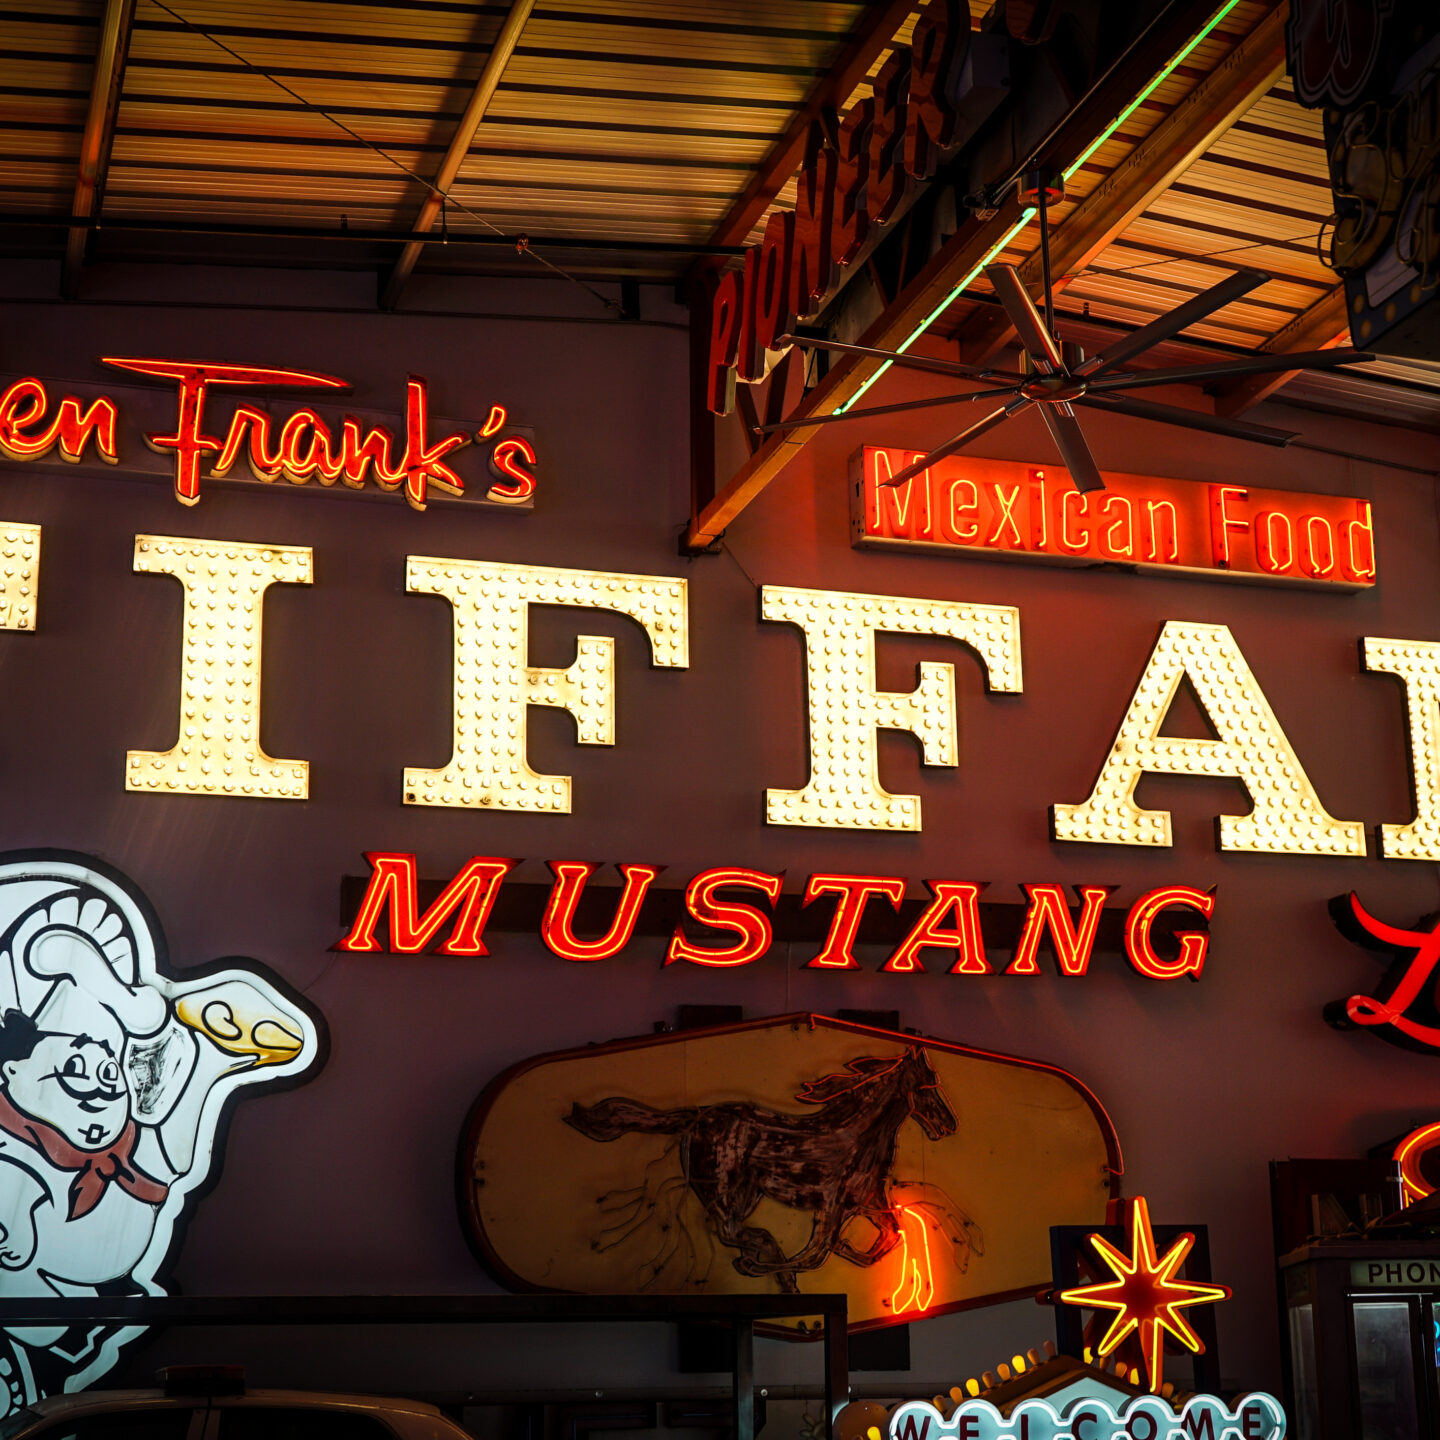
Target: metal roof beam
x,y
99,134
1325,324
484,92
1191,128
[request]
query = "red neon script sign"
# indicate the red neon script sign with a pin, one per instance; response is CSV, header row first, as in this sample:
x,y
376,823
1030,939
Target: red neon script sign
x,y
1403,1008
421,463
1006,508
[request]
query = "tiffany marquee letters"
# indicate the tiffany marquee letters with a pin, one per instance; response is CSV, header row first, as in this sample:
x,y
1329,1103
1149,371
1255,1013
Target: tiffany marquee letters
x,y
217,748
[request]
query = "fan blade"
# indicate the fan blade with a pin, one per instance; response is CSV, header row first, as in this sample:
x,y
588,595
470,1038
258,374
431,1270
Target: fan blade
x,y
1069,440
1020,308
1242,282
909,362
1190,419
1223,369
957,442
800,424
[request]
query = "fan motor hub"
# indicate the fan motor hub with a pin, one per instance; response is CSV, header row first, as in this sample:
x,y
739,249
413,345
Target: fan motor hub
x,y
1053,389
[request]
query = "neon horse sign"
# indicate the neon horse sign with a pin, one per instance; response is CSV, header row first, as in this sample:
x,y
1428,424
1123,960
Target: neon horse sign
x,y
834,1163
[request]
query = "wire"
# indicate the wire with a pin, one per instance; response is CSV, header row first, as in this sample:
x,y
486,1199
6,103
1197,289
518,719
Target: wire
x,y
523,247
1200,255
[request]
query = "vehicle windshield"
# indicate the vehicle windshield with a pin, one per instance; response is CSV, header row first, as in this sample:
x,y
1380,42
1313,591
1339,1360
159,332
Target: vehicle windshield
x,y
14,1424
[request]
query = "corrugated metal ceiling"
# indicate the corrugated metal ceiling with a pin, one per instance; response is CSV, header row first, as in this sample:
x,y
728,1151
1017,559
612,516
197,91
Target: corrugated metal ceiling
x,y
629,124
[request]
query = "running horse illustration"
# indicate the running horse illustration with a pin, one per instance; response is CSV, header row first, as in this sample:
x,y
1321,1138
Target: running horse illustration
x,y
834,1162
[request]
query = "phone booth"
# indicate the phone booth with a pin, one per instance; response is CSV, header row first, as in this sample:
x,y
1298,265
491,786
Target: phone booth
x,y
1362,1321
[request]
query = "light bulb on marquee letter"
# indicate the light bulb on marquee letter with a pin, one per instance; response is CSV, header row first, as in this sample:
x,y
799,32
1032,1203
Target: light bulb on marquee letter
x,y
494,686
1286,817
19,575
218,749
845,708
1416,664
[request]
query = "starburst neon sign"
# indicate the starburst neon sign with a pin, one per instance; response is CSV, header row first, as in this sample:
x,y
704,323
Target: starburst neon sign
x,y
1145,1295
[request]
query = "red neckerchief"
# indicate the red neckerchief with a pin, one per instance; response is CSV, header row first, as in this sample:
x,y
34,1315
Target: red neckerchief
x,y
97,1168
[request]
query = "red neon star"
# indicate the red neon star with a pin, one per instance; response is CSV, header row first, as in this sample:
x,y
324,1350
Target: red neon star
x,y
1145,1295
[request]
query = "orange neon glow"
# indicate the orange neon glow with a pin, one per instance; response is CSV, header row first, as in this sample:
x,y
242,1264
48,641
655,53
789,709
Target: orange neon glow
x,y
1005,502
967,503
1072,506
1039,511
252,423
504,455
916,1287
904,508
189,442
24,403
393,882
1048,911
1274,541
1409,1152
1145,1294
557,926
854,892
425,464
752,929
1193,943
358,453
1118,541
1154,508
950,508
306,450
493,421
1360,567
962,896
1317,546
1223,520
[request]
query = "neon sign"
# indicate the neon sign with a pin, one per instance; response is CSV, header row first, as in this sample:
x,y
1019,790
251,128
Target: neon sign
x,y
1411,1153
855,174
1403,1007
1011,510
300,447
1256,1416
729,916
1145,1295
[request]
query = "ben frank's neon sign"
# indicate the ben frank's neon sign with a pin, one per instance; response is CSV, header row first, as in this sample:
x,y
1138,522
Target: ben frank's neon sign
x,y
300,446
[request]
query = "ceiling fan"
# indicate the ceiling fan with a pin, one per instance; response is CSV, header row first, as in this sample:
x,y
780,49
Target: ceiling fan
x,y
1056,377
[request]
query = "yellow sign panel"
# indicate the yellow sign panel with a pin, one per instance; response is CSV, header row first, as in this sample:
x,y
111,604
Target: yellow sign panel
x,y
786,1155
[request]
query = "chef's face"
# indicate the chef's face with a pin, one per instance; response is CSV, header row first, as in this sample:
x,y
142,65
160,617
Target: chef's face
x,y
73,1083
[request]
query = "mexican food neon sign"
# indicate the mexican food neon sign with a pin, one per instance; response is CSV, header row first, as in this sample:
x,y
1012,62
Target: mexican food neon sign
x,y
1010,510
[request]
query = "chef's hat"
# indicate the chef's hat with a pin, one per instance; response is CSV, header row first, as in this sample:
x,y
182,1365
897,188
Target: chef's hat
x,y
63,921
87,997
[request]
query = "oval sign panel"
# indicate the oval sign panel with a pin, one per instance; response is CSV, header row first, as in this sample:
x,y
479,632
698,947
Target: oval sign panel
x,y
786,1155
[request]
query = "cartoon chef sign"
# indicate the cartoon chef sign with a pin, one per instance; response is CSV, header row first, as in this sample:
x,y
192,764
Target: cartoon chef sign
x,y
114,1078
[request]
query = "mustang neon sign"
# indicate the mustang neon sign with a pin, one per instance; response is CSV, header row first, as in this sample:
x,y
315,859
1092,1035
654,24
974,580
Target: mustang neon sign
x,y
952,924
300,447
